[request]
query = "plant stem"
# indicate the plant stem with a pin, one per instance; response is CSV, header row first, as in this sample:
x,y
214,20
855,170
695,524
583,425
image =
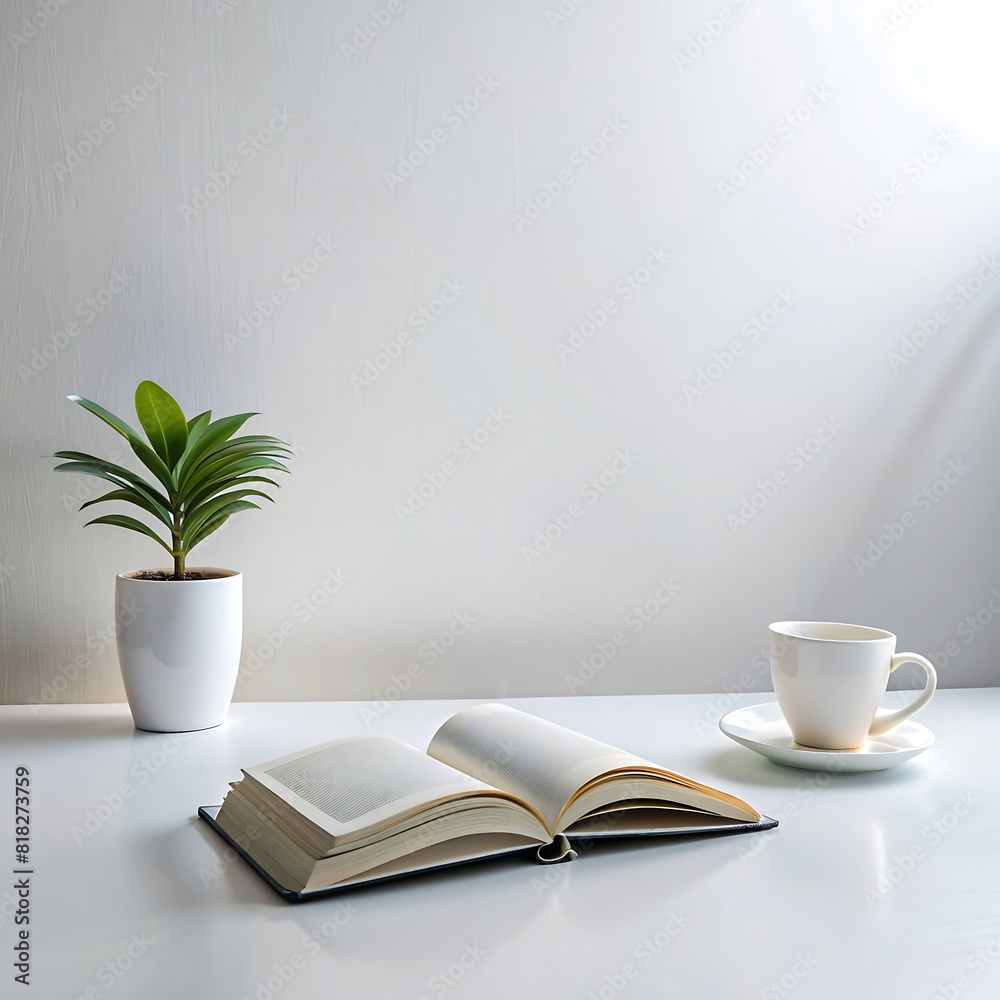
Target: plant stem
x,y
179,552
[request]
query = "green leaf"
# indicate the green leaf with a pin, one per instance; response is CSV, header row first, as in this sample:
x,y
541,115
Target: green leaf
x,y
116,470
216,432
91,470
124,521
85,469
203,418
109,418
232,451
146,455
211,525
225,482
132,495
194,519
220,516
218,460
236,464
163,421
262,441
196,427
153,462
240,466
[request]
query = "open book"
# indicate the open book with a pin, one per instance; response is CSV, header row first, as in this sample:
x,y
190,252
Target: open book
x,y
494,780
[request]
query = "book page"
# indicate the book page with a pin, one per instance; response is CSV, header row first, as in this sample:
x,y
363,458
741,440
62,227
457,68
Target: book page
x,y
452,852
359,782
539,761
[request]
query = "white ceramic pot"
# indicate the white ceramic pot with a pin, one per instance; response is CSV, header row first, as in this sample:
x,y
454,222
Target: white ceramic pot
x,y
179,645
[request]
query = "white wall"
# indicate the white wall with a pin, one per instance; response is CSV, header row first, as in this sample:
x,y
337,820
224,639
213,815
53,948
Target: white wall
x,y
883,93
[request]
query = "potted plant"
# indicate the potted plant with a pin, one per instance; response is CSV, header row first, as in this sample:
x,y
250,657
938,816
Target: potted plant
x,y
180,629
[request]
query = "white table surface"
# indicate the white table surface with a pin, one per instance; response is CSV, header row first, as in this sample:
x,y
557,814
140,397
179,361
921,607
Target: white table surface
x,y
795,911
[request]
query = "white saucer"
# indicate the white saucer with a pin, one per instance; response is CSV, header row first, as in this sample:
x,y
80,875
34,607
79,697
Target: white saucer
x,y
764,730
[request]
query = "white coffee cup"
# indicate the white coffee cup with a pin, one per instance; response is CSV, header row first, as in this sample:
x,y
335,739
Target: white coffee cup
x,y
829,678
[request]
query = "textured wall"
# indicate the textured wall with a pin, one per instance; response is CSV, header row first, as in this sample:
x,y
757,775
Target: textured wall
x,y
707,293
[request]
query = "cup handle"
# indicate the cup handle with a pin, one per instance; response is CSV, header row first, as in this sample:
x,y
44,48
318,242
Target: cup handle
x,y
886,722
